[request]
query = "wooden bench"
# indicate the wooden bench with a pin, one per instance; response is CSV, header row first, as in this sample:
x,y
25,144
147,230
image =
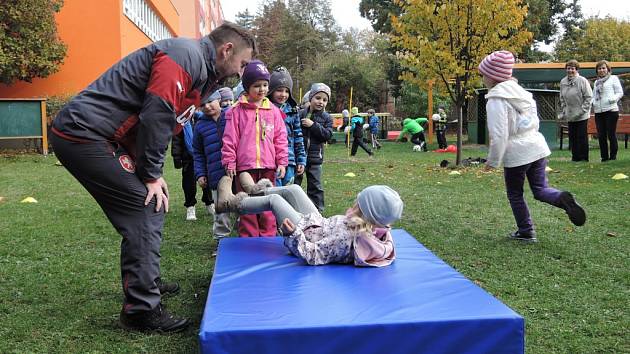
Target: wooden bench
x,y
623,127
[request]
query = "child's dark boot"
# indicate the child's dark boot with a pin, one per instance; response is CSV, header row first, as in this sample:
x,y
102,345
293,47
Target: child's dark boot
x,y
529,236
576,213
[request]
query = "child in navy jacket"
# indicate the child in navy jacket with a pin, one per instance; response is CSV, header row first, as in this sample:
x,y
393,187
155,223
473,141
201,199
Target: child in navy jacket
x,y
207,144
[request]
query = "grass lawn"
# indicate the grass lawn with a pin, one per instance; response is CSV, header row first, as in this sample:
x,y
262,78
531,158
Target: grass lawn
x,y
59,259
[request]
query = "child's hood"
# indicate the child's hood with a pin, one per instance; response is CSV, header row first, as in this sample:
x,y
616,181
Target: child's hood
x,y
514,93
243,101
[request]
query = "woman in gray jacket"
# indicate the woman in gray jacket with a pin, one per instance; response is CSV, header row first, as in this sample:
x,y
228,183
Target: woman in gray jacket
x,y
575,100
608,92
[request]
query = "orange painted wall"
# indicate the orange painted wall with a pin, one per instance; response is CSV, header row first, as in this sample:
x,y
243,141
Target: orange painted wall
x,y
97,35
92,35
188,22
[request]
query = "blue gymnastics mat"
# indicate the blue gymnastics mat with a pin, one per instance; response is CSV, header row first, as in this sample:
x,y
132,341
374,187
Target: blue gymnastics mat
x,y
263,300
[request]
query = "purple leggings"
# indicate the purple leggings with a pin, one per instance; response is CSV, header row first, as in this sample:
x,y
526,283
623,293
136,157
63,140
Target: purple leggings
x,y
514,181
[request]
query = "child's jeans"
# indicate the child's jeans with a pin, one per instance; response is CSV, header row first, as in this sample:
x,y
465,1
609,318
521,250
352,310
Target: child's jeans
x,y
537,178
288,202
221,226
289,176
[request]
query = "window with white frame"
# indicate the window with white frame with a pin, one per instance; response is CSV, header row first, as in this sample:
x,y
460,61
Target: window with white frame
x,y
143,16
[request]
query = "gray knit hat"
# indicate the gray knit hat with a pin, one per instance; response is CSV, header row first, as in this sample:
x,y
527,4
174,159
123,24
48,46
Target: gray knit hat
x,y
226,94
238,90
380,205
215,96
317,88
305,98
281,77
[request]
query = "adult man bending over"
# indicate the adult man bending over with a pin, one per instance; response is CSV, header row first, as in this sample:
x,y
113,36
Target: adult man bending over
x,y
112,137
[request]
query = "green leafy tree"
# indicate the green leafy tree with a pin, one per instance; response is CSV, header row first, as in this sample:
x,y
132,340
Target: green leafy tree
x,y
602,38
245,19
345,70
445,40
379,12
546,19
29,44
269,27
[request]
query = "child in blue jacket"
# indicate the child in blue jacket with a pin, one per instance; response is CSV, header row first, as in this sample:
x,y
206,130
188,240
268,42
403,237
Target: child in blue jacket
x,y
207,136
356,128
373,121
280,94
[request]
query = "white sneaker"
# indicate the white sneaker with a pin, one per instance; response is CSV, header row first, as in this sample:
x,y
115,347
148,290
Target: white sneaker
x,y
210,209
190,214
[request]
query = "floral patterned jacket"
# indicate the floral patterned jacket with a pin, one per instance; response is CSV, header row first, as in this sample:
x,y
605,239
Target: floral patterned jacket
x,y
318,240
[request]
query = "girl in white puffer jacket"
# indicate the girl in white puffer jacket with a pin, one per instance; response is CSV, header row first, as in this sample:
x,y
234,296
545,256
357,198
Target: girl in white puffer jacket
x,y
516,143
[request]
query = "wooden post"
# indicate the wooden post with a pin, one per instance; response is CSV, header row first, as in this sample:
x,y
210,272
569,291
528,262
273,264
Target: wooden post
x,y
44,128
349,110
430,110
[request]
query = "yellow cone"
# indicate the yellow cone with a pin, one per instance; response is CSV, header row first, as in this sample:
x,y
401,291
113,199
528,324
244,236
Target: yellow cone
x,y
548,169
619,176
350,174
29,200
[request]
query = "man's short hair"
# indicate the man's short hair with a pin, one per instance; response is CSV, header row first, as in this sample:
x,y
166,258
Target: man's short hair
x,y
231,32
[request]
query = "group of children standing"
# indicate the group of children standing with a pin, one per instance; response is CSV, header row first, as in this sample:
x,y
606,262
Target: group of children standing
x,y
257,128
262,146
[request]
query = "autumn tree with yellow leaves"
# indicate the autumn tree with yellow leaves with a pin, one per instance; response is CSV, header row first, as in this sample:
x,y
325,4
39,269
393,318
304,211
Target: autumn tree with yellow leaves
x,y
445,40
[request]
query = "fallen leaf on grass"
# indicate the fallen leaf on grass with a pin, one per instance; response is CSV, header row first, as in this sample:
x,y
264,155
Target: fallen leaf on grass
x,y
548,169
619,176
29,200
58,163
454,173
1,199
611,234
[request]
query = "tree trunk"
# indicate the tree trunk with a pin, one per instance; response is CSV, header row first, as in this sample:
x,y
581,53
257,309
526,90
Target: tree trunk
x,y
460,125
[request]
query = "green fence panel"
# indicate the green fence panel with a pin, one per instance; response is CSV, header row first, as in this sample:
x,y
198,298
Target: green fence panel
x,y
549,129
20,118
472,133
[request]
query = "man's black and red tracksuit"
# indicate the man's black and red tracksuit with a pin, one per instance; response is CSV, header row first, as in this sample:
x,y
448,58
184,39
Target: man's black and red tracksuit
x,y
112,137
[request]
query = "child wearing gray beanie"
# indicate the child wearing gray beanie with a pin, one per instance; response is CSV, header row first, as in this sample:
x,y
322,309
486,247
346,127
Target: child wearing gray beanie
x,y
361,236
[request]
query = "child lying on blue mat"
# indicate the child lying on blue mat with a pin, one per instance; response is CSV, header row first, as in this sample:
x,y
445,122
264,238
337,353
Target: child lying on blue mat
x,y
361,236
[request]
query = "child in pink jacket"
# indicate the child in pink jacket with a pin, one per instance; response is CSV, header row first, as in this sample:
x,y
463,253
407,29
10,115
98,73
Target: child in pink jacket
x,y
255,141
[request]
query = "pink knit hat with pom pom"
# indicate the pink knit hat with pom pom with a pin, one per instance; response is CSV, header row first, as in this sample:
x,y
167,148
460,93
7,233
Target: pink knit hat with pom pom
x,y
497,65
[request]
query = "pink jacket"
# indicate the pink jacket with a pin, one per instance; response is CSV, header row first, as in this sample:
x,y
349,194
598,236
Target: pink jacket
x,y
254,137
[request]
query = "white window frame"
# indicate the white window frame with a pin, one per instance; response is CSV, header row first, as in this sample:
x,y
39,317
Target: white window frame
x,y
143,16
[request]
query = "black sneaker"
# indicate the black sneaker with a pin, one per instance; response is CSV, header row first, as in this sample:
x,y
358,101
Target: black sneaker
x,y
157,320
167,289
523,236
576,213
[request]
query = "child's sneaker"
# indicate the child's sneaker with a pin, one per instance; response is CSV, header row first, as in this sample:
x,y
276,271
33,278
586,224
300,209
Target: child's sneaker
x,y
190,214
576,213
523,236
210,208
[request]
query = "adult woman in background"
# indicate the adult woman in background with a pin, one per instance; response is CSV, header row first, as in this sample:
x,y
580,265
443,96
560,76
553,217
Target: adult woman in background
x,y
575,101
608,92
